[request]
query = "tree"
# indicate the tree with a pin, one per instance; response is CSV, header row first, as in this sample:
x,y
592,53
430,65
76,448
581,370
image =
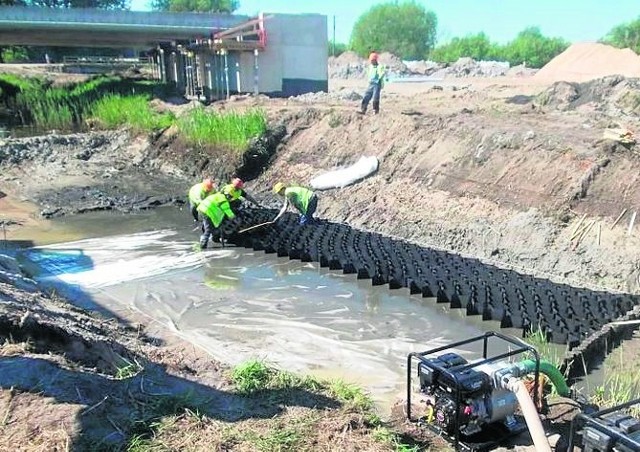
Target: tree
x,y
338,48
625,35
405,29
101,4
532,48
201,6
477,46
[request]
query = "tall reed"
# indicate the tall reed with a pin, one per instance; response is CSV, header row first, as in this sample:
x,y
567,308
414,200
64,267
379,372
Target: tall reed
x,y
114,111
231,130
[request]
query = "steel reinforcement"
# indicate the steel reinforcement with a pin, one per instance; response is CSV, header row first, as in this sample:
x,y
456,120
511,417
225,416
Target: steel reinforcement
x,y
578,317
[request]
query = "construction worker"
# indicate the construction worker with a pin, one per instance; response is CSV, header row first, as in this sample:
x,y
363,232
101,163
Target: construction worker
x,y
376,77
235,193
214,209
197,193
303,199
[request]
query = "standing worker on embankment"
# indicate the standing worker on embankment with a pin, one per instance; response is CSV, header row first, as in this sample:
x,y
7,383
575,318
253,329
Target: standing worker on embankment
x,y
197,193
376,75
214,209
303,199
236,193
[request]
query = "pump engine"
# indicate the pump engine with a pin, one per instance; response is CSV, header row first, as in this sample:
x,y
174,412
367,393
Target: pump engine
x,y
469,402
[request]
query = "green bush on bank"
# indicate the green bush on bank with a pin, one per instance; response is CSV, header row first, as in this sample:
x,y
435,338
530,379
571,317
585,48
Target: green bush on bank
x,y
44,106
112,102
233,130
114,110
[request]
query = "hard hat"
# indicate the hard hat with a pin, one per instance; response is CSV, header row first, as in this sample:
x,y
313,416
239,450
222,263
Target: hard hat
x,y
277,188
208,184
237,183
373,57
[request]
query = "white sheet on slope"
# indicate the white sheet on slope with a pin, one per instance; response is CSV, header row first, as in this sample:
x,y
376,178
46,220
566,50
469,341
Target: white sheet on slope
x,y
342,177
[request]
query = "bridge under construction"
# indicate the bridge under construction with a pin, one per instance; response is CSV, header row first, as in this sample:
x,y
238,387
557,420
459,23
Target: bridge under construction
x,y
208,56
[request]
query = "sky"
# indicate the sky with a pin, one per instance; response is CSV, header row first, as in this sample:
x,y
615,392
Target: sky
x,y
501,20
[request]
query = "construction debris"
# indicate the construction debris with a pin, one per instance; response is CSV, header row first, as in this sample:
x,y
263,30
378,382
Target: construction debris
x,y
312,98
633,219
350,65
621,135
619,218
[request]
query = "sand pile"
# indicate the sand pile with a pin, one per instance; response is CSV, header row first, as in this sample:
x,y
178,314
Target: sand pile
x,y
587,61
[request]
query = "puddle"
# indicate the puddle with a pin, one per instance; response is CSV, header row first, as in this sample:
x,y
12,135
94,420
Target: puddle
x,y
239,304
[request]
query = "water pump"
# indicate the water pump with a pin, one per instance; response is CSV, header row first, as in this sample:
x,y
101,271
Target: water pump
x,y
609,430
470,402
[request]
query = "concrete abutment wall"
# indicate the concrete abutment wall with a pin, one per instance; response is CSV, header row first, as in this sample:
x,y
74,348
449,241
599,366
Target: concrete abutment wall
x,y
293,62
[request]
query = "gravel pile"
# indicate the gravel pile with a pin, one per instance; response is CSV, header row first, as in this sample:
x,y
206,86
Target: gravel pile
x,y
350,65
468,67
342,95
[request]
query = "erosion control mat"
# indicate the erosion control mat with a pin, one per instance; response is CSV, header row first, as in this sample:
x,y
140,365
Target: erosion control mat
x,y
569,315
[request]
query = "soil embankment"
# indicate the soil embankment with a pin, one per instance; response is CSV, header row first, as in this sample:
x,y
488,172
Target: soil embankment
x,y
483,172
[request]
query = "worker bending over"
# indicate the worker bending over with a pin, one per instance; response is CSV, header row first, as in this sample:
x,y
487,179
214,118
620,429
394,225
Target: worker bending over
x,y
236,193
303,199
197,193
214,209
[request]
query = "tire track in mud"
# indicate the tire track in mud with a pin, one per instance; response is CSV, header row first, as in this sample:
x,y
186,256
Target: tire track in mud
x,y
577,317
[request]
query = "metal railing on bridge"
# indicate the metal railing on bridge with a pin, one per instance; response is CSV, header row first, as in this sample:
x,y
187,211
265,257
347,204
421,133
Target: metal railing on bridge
x,y
107,61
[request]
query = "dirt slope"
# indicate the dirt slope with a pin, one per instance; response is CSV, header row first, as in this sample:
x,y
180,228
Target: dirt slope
x,y
480,173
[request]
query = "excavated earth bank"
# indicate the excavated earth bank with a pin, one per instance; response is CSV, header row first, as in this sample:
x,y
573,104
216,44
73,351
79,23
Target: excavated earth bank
x,y
499,178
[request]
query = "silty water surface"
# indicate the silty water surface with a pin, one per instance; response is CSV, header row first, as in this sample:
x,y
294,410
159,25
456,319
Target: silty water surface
x,y
239,304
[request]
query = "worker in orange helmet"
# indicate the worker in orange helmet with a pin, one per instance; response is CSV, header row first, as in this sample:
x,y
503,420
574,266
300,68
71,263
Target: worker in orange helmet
x,y
236,193
376,75
197,193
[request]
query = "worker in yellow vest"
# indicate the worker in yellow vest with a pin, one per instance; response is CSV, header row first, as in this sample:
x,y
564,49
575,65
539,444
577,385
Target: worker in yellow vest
x,y
376,75
303,199
197,193
236,193
214,209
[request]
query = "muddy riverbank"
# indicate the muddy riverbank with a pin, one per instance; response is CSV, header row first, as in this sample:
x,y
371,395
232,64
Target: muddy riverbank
x,y
72,380
468,170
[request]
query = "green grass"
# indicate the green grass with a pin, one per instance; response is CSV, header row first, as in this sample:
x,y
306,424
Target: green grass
x,y
351,395
547,351
279,439
385,435
255,376
44,106
21,83
621,383
112,102
115,110
232,130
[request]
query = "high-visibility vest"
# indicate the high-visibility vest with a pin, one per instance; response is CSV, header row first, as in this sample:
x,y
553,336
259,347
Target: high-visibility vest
x,y
197,193
232,192
215,207
299,197
376,74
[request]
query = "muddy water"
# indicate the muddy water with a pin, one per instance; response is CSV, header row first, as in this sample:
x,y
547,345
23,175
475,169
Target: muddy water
x,y
240,304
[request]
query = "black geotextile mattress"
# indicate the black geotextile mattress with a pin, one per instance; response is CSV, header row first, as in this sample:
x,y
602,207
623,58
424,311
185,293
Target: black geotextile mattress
x,y
574,316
